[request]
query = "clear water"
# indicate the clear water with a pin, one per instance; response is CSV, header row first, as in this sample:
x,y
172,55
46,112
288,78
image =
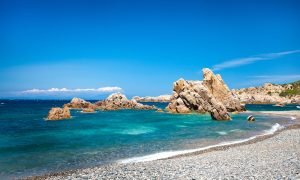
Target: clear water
x,y
29,145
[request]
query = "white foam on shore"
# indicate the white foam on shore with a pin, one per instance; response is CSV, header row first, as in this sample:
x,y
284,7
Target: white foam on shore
x,y
168,154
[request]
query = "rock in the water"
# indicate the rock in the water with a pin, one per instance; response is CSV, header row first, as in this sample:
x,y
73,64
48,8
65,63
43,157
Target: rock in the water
x,y
210,95
159,110
250,118
220,91
59,113
88,110
77,103
119,101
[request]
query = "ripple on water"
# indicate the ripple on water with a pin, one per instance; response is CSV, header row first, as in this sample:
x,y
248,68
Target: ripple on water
x,y
137,130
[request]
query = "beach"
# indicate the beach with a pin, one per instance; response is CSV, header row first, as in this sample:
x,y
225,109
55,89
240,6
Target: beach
x,y
274,156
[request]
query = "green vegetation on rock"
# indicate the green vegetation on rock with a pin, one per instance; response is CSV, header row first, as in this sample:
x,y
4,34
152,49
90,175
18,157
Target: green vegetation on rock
x,y
294,91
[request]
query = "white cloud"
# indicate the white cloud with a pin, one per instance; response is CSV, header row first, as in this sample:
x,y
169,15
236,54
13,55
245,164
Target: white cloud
x,y
252,59
65,90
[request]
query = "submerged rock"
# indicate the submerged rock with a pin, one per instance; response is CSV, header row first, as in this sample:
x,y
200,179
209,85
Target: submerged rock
x,y
57,113
119,101
210,95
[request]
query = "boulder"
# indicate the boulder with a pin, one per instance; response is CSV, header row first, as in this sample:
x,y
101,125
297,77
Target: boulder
x,y
57,113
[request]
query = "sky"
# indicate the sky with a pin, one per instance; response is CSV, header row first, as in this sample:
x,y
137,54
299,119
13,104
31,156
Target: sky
x,y
88,48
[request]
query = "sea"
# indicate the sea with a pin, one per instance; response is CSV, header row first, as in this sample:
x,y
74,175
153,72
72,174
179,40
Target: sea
x,y
31,146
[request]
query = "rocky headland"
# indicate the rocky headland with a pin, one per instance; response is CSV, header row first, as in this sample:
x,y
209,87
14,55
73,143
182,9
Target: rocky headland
x,y
270,94
210,95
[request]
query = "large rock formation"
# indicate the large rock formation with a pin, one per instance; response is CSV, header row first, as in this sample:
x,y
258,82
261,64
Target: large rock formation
x,y
119,101
210,95
57,113
161,98
77,103
267,94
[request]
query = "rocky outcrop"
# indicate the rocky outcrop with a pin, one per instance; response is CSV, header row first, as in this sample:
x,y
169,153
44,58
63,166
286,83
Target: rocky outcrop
x,y
88,110
267,94
210,95
77,103
119,101
57,113
220,91
161,98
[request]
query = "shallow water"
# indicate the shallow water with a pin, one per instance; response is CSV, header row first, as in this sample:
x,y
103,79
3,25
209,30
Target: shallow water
x,y
29,145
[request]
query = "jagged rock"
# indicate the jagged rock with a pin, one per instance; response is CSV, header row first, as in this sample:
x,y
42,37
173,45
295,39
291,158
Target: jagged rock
x,y
77,103
119,101
220,91
210,95
57,113
161,98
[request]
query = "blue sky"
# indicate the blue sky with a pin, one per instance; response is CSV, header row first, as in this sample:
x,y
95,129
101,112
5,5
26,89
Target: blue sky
x,y
142,47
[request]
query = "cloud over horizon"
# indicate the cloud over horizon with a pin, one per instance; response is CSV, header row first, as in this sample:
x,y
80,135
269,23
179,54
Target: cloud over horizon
x,y
251,59
66,90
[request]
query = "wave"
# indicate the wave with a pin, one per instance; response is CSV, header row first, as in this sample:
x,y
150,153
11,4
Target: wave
x,y
293,118
298,107
168,154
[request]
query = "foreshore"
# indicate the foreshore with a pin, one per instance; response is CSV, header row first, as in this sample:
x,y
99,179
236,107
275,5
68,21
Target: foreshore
x,y
272,156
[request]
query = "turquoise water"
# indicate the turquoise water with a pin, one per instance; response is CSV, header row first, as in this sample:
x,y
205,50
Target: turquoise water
x,y
29,145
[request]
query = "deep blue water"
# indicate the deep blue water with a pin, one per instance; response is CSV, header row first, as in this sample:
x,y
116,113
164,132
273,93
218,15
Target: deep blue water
x,y
29,145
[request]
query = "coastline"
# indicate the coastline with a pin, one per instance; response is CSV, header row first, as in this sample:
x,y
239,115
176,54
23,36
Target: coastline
x,y
98,171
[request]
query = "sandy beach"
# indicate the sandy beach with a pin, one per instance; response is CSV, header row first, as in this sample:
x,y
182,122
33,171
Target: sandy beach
x,y
273,156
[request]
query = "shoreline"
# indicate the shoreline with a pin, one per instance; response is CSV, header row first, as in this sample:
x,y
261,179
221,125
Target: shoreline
x,y
194,153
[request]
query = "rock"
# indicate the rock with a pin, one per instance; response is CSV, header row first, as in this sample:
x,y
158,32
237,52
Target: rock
x,y
77,103
119,101
210,95
220,91
161,98
159,110
88,110
250,118
59,113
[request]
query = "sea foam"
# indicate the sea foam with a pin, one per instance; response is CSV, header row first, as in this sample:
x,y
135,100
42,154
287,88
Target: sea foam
x,y
168,154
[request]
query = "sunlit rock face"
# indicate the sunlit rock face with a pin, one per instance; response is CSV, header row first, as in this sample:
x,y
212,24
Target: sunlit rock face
x,y
57,113
210,95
